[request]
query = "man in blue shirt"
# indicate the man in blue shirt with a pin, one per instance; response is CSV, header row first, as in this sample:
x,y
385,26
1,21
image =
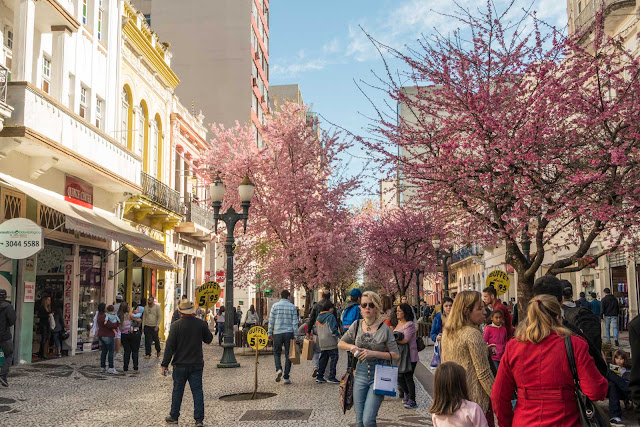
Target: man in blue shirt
x,y
595,305
283,323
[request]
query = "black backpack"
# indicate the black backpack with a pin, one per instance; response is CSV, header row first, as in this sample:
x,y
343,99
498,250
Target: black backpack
x,y
586,321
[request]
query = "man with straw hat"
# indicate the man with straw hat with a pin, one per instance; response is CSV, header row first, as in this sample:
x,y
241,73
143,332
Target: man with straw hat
x,y
184,346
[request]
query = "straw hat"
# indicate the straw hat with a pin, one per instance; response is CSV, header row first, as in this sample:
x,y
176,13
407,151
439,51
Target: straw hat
x,y
186,307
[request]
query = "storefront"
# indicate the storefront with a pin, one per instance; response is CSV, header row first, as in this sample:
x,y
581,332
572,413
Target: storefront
x,y
620,286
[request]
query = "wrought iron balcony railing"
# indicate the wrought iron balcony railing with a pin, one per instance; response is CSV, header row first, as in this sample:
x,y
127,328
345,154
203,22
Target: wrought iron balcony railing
x,y
161,194
199,215
466,252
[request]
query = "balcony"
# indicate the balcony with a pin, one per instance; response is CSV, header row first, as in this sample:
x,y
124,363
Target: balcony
x,y
587,16
198,223
160,193
466,252
51,135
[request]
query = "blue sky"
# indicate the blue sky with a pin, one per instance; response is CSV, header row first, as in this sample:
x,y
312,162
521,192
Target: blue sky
x,y
319,45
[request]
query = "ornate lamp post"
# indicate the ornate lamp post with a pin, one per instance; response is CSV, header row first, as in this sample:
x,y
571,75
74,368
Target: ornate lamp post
x,y
446,255
419,271
230,218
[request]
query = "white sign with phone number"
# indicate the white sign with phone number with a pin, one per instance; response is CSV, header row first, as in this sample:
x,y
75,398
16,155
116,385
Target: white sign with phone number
x,y
20,238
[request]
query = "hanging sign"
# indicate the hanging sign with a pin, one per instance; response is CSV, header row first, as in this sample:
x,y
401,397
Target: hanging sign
x,y
78,192
499,280
68,291
208,294
20,238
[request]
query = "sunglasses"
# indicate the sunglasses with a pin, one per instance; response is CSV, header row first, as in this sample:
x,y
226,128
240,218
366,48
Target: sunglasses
x,y
370,304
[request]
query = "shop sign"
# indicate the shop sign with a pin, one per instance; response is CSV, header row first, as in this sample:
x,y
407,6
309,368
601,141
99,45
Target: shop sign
x,y
29,292
257,338
207,276
78,192
161,284
499,280
208,294
20,238
220,276
68,290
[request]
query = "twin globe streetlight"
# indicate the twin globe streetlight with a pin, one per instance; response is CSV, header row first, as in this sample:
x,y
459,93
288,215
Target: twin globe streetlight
x,y
230,218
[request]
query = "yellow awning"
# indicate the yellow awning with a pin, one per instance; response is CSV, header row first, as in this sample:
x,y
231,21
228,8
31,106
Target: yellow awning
x,y
152,259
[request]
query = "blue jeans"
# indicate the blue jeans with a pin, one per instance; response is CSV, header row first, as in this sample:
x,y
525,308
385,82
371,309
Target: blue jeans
x,y
278,341
316,357
325,355
220,326
182,374
365,402
618,390
108,345
611,320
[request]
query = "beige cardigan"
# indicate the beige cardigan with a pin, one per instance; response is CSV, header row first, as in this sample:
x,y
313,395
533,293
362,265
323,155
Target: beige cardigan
x,y
468,349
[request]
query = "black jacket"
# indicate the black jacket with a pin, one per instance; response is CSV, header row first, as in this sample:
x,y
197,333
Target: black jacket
x,y
634,379
594,351
610,306
7,320
315,310
185,340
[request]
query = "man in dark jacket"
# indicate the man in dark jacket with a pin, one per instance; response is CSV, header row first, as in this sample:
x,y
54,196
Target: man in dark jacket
x,y
318,307
184,346
610,310
7,320
634,379
551,285
583,301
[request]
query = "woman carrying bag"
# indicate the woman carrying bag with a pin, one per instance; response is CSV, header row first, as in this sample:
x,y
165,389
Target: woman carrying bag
x,y
408,354
372,344
537,364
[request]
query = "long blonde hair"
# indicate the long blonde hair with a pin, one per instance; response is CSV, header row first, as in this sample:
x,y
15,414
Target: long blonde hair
x,y
543,319
459,315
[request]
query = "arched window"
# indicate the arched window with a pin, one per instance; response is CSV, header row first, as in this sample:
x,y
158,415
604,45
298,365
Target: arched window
x,y
154,144
140,129
124,114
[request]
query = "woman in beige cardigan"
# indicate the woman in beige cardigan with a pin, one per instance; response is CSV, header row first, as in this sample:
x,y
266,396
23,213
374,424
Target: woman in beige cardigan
x,y
462,343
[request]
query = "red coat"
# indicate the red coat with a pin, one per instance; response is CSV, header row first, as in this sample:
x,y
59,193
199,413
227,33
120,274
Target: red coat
x,y
545,385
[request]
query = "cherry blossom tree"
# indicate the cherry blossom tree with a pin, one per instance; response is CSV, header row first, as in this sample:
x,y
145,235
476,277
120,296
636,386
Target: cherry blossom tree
x,y
299,226
520,137
397,243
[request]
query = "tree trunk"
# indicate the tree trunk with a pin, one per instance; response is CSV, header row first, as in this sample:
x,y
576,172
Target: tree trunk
x,y
525,294
308,300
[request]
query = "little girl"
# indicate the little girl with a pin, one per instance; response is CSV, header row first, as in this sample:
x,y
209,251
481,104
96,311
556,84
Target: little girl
x,y
451,405
496,336
618,378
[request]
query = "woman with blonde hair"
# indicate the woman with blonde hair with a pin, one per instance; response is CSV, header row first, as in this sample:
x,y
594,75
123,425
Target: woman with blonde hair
x,y
463,343
536,364
372,343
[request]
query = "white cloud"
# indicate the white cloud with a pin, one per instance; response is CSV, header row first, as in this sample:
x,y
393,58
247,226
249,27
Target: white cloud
x,y
331,47
295,68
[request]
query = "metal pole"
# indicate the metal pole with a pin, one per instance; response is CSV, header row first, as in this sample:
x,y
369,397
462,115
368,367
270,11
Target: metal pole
x,y
445,271
228,357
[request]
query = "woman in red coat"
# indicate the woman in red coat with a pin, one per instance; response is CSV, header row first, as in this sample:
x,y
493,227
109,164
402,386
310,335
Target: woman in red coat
x,y
536,364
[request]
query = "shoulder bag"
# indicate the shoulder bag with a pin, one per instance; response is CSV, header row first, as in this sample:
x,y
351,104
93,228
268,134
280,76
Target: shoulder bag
x,y
346,383
590,414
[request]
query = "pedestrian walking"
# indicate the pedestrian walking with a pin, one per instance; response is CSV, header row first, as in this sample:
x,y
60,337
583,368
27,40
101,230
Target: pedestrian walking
x,y
44,326
372,343
317,308
328,337
107,338
594,305
151,325
59,328
130,336
495,335
408,347
251,318
220,317
176,313
350,315
610,311
536,365
463,343
490,298
183,350
283,323
238,319
7,320
439,320
451,406
583,301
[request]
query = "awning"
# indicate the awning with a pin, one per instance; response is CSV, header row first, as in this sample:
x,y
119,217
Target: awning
x,y
94,222
153,259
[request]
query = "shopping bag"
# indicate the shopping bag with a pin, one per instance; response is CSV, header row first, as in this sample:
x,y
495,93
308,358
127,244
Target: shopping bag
x,y
435,361
307,349
294,352
385,381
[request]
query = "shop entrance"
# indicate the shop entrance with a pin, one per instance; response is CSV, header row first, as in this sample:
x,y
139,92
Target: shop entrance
x,y
91,294
620,290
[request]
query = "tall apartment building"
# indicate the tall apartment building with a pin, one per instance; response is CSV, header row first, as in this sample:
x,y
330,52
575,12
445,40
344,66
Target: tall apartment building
x,y
221,54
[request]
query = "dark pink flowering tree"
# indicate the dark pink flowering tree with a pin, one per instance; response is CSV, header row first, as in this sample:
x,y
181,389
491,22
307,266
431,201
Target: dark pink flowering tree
x,y
396,242
299,228
529,139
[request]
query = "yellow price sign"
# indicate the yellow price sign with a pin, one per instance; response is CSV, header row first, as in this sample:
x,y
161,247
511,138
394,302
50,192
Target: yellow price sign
x,y
257,338
499,280
208,294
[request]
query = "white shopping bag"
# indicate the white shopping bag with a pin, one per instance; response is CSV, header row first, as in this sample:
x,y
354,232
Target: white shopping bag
x,y
385,381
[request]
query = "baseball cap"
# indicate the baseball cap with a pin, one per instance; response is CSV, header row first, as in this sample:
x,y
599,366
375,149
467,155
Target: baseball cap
x,y
356,293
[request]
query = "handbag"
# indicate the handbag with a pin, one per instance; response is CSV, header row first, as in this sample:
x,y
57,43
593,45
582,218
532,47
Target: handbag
x,y
346,383
435,360
590,414
420,343
404,364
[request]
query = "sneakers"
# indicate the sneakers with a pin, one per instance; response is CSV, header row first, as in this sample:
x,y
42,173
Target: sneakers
x,y
170,420
199,423
333,381
103,370
320,380
405,398
617,344
118,355
278,375
411,404
4,382
616,422
112,371
287,381
315,373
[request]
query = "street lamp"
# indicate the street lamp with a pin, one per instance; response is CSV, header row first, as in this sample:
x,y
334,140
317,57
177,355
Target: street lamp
x,y
419,271
444,257
230,218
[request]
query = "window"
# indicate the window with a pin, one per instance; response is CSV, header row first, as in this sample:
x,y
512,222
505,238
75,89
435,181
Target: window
x,y
46,74
8,38
100,13
99,105
84,12
147,18
153,150
254,104
83,102
140,134
124,116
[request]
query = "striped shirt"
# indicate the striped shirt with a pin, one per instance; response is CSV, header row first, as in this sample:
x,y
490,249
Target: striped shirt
x,y
283,318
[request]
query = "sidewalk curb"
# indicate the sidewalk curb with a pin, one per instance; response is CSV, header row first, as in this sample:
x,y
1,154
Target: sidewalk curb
x,y
425,377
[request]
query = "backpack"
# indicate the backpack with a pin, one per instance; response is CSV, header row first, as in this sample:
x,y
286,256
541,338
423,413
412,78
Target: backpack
x,y
350,315
586,321
326,339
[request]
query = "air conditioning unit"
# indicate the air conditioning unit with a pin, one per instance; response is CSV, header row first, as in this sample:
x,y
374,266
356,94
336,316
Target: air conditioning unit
x,y
257,56
254,81
262,98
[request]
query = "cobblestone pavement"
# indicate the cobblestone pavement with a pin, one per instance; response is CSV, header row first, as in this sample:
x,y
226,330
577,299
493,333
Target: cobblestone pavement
x,y
72,392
